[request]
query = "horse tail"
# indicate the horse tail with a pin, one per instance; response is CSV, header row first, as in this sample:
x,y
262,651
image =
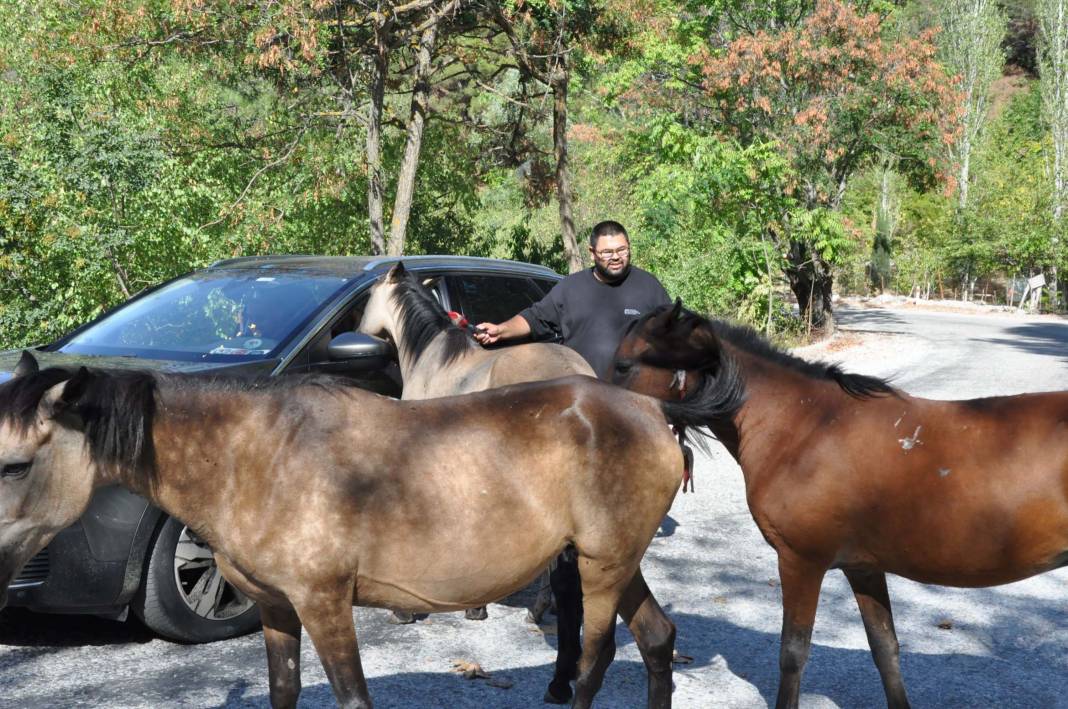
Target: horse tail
x,y
717,396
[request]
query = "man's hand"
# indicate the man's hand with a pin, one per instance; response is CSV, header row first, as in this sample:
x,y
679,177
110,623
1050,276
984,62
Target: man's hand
x,y
487,333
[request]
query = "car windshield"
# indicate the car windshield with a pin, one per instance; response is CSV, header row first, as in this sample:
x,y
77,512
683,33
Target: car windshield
x,y
212,316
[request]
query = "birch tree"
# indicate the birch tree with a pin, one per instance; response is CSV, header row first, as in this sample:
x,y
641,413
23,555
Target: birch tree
x,y
970,48
1053,65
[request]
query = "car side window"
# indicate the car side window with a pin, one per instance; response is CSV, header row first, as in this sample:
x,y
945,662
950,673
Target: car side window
x,y
491,298
545,284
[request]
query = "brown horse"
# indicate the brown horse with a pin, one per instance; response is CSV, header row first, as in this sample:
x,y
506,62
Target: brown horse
x,y
843,471
378,490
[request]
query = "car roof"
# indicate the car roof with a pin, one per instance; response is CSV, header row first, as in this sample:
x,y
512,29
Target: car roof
x,y
373,266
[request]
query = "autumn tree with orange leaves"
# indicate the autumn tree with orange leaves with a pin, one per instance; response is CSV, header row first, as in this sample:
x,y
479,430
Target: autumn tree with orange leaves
x,y
835,93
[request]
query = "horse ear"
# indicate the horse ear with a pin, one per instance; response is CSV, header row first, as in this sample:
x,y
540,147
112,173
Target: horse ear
x,y
666,317
396,273
27,365
61,397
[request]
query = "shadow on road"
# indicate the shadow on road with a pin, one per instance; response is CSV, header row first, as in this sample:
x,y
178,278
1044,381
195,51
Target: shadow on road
x,y
22,628
868,318
741,662
1045,339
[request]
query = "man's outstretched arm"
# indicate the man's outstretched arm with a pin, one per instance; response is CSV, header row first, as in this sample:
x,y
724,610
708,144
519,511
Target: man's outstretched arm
x,y
487,333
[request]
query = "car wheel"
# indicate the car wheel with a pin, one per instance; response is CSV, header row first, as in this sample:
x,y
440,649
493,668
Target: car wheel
x,y
184,596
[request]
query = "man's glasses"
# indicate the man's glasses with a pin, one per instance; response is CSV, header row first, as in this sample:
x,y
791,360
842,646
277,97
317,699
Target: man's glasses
x,y
609,253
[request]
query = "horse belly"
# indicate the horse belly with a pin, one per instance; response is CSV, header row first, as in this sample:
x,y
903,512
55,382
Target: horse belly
x,y
434,579
970,546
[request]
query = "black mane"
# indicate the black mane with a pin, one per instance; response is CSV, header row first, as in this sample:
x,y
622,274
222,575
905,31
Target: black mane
x,y
748,340
422,319
116,408
860,386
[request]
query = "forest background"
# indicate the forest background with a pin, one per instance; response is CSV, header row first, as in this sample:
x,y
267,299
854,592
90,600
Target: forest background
x,y
761,154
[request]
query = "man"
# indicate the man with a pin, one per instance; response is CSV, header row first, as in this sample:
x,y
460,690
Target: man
x,y
589,308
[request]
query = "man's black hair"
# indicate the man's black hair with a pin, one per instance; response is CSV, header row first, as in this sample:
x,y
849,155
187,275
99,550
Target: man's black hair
x,y
607,228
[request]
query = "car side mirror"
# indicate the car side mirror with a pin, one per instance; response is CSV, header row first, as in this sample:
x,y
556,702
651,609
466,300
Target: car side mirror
x,y
360,350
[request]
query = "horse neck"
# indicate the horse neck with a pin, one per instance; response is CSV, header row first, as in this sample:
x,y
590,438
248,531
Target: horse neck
x,y
418,374
202,437
777,413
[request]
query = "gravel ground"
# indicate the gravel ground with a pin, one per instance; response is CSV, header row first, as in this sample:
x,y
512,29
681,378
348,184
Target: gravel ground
x,y
710,568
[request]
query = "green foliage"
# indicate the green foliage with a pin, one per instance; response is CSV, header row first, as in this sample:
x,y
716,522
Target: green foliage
x,y
142,138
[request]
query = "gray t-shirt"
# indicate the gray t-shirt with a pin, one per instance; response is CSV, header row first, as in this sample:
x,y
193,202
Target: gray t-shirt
x,y
591,316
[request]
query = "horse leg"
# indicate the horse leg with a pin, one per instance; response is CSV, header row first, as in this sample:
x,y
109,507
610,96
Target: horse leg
x,y
400,617
602,591
476,613
328,619
567,587
869,587
654,633
544,599
801,583
281,633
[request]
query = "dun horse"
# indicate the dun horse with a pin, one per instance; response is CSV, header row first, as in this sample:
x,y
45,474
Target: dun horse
x,y
438,358
844,472
333,496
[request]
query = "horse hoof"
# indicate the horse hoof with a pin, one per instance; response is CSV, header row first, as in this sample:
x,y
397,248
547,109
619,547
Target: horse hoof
x,y
563,698
534,618
476,613
401,618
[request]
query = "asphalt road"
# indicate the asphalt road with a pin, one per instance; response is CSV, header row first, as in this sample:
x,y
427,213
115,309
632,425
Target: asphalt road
x,y
1003,647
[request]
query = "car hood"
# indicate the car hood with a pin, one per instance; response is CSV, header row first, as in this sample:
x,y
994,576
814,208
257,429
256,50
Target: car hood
x,y
10,358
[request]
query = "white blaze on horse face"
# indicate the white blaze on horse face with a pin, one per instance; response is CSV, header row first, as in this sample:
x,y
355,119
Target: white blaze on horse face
x,y
377,317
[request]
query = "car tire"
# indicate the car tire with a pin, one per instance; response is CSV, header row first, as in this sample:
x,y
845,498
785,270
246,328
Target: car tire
x,y
184,597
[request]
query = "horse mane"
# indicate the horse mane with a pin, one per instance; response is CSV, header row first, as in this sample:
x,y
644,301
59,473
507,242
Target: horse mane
x,y
113,408
422,319
116,409
860,386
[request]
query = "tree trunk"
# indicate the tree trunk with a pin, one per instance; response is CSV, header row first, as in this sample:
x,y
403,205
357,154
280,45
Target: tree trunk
x,y
965,170
402,205
379,66
559,80
811,281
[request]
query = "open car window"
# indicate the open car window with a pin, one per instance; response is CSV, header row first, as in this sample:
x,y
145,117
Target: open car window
x,y
491,298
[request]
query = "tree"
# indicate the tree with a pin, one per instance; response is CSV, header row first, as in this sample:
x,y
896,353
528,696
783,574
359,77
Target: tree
x,y
1053,65
971,49
886,214
543,35
835,93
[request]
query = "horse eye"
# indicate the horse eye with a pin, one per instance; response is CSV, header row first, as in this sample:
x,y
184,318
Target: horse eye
x,y
15,470
623,365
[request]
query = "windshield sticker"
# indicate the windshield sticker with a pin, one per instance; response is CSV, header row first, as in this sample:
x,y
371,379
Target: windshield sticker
x,y
265,279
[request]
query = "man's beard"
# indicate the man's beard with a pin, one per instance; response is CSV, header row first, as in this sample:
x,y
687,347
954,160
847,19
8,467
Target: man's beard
x,y
609,277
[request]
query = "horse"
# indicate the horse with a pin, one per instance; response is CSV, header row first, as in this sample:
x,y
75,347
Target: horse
x,y
316,496
844,471
439,358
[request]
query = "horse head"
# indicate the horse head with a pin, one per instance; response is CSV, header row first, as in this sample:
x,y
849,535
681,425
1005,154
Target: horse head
x,y
666,352
379,315
43,461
